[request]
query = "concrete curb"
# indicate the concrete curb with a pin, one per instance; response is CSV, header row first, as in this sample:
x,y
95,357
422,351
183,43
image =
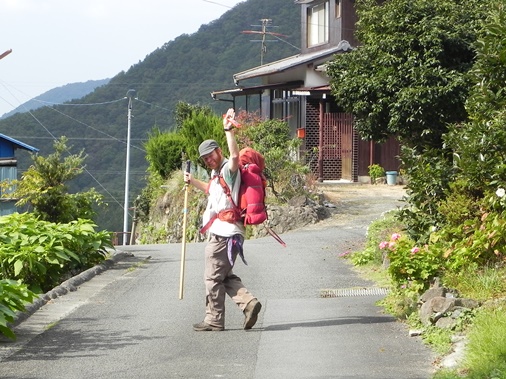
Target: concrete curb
x,y
69,285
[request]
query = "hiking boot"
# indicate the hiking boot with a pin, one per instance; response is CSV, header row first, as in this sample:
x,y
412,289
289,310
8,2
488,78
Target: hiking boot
x,y
205,327
251,313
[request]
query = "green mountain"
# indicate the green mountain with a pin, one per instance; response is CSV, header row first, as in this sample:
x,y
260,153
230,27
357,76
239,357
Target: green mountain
x,y
185,69
58,95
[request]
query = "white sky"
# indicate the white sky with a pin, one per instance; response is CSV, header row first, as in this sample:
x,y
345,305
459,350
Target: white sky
x,y
56,42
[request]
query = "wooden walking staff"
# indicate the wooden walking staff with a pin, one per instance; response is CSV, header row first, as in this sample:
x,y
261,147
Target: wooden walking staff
x,y
183,240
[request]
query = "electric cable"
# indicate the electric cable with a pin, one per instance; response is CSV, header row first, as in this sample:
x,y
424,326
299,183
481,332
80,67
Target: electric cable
x,y
95,129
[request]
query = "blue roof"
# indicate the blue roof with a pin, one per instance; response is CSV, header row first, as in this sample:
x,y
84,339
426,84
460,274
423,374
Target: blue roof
x,y
18,144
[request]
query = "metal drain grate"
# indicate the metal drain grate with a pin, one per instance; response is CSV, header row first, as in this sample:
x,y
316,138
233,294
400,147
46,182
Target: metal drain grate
x,y
348,292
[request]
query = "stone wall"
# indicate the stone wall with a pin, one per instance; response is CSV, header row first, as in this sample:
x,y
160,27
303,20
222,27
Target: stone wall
x,y
444,307
299,212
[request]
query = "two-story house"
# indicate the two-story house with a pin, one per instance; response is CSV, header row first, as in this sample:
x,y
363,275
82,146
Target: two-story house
x,y
297,90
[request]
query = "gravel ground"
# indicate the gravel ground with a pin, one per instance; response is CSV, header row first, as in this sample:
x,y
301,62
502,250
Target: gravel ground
x,y
361,201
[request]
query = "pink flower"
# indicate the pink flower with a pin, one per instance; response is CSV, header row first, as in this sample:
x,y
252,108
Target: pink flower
x,y
395,236
383,244
391,245
344,254
415,250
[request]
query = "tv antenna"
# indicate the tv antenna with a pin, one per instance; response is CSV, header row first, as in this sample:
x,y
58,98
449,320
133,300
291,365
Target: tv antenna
x,y
265,24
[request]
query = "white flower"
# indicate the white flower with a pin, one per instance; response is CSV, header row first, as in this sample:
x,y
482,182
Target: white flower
x,y
500,192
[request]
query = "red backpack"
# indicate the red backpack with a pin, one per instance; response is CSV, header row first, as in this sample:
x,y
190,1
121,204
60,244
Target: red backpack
x,y
251,208
252,190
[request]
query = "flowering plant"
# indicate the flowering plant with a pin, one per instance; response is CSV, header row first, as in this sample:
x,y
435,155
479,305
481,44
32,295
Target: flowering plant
x,y
497,201
409,264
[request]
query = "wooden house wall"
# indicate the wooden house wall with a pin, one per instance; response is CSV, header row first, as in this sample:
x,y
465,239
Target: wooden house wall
x,y
385,154
349,20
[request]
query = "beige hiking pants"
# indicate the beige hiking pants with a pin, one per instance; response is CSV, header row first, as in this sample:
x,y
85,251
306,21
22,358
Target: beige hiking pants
x,y
220,280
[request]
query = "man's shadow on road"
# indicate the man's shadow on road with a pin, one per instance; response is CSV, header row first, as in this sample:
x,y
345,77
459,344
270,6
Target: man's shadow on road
x,y
327,323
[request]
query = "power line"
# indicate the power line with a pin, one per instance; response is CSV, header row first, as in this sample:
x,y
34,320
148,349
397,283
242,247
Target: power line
x,y
31,114
151,104
95,129
78,138
77,105
288,43
216,3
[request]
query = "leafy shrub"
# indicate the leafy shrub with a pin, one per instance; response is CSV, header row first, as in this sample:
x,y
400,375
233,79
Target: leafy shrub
x,y
479,240
411,265
375,172
44,186
13,297
41,254
366,256
198,126
286,177
164,152
84,241
475,243
459,205
184,111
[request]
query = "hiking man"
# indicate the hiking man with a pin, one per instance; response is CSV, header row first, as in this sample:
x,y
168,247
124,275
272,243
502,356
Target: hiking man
x,y
226,232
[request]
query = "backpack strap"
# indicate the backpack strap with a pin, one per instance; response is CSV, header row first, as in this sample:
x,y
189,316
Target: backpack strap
x,y
226,189
204,229
215,176
275,235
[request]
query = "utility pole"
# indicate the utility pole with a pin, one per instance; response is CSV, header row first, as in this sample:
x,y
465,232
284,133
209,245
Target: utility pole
x,y
264,21
265,24
129,94
4,54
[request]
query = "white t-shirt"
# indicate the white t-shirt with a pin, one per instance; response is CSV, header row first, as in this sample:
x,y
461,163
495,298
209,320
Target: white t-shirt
x,y
218,201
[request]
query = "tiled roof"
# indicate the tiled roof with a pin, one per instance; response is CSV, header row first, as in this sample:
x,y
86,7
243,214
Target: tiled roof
x,y
284,64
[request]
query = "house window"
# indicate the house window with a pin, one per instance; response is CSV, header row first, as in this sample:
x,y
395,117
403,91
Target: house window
x,y
318,24
7,175
286,107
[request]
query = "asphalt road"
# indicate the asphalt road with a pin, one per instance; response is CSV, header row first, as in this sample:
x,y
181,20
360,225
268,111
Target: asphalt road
x,y
128,322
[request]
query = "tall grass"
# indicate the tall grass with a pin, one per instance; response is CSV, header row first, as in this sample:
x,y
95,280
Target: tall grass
x,y
486,349
485,355
488,282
